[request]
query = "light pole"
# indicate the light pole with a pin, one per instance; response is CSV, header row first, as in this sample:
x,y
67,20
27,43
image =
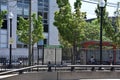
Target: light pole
x,y
10,16
101,5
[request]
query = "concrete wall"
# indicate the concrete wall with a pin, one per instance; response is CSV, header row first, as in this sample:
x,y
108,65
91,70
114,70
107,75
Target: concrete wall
x,y
65,75
54,55
53,32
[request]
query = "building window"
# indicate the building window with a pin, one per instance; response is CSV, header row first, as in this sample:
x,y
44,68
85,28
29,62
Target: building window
x,y
45,41
43,6
4,25
40,13
23,7
45,15
45,28
3,5
3,38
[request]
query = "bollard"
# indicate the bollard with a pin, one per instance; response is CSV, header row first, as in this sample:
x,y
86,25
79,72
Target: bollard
x,y
93,69
112,69
49,67
20,71
72,68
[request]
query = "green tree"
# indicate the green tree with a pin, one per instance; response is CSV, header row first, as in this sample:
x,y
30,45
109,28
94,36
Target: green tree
x,y
108,30
116,25
112,32
2,14
92,30
70,24
37,30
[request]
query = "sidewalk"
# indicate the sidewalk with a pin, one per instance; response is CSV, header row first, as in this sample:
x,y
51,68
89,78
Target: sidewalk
x,y
9,75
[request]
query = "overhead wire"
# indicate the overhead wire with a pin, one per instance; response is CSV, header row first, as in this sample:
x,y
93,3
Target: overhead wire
x,y
96,2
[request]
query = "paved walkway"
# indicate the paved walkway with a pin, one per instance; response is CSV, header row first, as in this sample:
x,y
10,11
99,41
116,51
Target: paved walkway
x,y
4,76
99,79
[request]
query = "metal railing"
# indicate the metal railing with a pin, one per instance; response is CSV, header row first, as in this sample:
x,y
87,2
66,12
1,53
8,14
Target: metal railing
x,y
51,68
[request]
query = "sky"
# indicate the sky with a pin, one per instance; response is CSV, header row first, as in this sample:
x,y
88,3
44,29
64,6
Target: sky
x,y
90,8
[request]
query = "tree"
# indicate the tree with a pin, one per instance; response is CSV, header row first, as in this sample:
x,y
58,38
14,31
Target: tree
x,y
112,31
108,29
37,30
70,24
92,30
116,26
2,14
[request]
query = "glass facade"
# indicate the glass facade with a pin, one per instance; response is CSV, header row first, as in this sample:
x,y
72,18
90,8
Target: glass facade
x,y
3,30
43,8
3,5
23,8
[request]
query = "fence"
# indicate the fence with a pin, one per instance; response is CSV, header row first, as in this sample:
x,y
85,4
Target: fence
x,y
82,57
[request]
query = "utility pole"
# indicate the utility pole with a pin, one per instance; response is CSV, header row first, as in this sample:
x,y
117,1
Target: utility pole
x,y
117,13
30,35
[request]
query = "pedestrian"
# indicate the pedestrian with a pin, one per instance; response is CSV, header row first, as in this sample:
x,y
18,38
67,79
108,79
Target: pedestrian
x,y
110,61
92,60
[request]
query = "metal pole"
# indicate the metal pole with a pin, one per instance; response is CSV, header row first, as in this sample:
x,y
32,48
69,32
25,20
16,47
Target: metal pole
x,y
10,56
30,36
38,54
55,59
101,24
42,54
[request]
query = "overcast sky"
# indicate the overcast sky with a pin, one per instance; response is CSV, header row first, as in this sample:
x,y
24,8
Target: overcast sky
x,y
90,8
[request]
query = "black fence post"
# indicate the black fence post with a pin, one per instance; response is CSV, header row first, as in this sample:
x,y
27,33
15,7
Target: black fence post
x,y
112,69
49,67
93,69
72,68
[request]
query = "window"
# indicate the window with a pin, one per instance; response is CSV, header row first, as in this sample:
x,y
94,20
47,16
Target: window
x,y
23,7
3,5
45,15
4,25
45,28
40,13
3,38
45,21
45,41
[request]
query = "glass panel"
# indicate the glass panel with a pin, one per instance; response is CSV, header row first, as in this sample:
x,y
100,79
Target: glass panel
x,y
40,13
26,1
3,7
45,15
3,38
46,5
19,1
45,41
45,9
19,8
45,28
26,11
40,42
45,21
3,31
4,25
19,11
40,0
46,1
3,45
40,8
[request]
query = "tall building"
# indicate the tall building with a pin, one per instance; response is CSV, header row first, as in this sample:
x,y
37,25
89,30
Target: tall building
x,y
45,8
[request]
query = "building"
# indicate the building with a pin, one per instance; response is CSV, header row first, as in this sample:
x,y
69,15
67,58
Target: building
x,y
45,8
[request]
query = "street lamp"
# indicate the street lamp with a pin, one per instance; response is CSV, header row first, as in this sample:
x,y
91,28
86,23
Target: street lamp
x,y
10,16
101,5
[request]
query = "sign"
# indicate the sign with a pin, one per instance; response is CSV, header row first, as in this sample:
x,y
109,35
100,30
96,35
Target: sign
x,y
11,41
